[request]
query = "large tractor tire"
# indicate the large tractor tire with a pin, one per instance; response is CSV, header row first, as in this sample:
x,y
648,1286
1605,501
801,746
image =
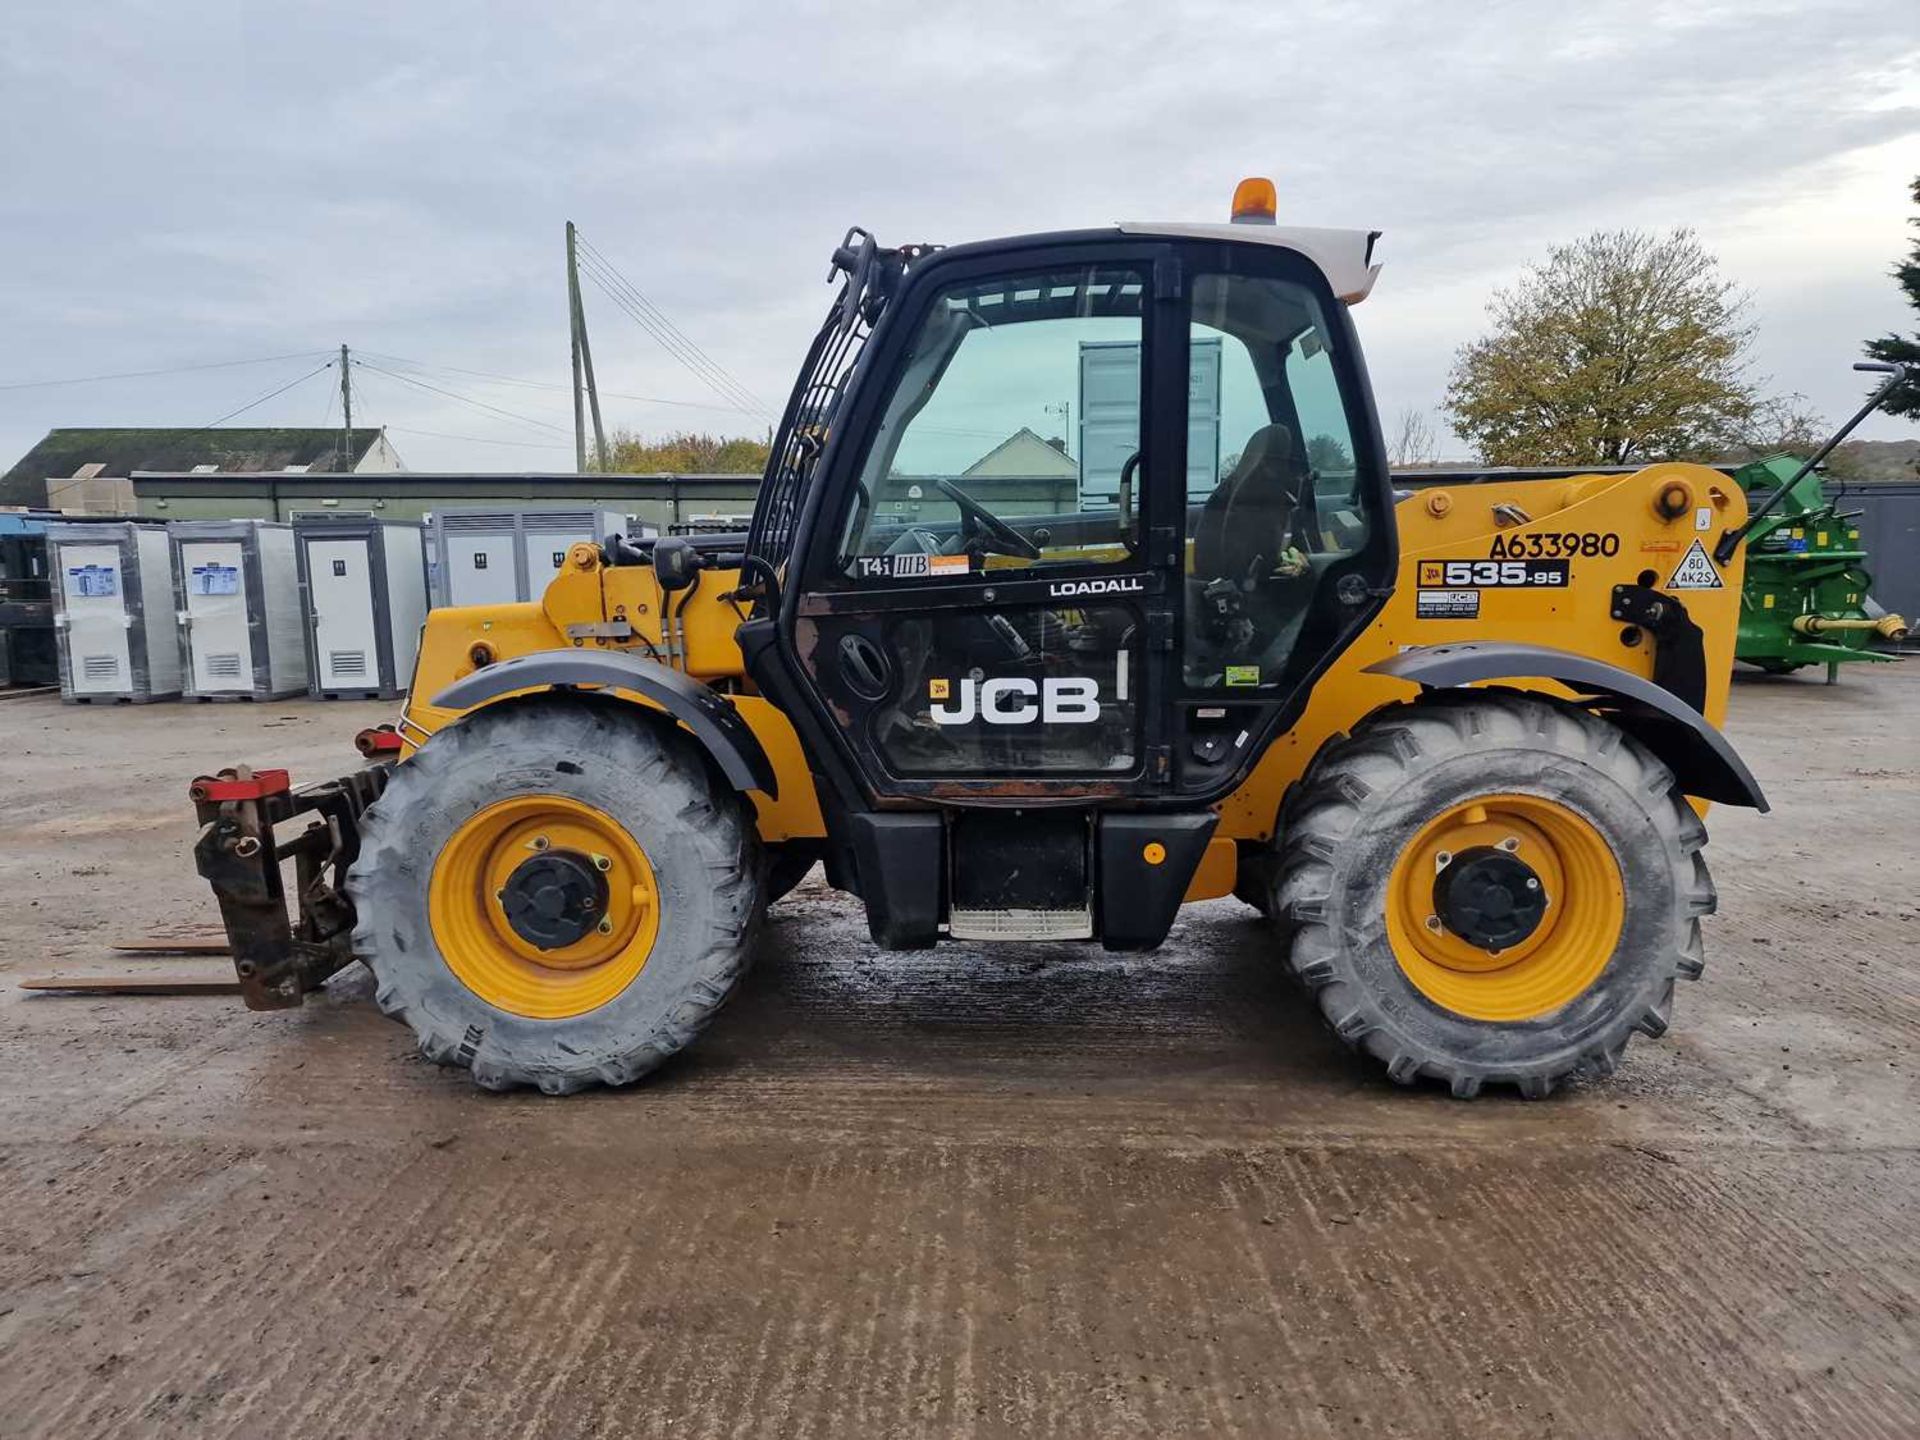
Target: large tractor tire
x,y
556,892
1489,887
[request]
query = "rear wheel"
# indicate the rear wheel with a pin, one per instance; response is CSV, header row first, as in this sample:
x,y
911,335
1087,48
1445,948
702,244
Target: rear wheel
x,y
1490,887
555,893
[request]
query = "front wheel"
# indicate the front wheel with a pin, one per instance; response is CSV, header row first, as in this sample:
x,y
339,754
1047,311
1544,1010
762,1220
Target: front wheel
x,y
1488,887
555,893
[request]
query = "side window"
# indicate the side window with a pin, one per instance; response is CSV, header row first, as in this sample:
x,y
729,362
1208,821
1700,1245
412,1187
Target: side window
x,y
1010,437
1271,494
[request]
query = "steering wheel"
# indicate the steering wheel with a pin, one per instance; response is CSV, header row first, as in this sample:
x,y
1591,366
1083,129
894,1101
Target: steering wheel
x,y
982,521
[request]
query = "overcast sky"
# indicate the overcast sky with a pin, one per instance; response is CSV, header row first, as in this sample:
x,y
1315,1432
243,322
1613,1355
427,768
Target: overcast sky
x,y
188,183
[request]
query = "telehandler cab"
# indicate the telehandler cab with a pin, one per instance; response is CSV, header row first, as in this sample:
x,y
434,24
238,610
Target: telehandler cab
x,y
1077,589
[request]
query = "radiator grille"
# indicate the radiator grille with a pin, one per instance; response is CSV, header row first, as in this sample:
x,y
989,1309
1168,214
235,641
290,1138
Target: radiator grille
x,y
347,662
224,667
100,667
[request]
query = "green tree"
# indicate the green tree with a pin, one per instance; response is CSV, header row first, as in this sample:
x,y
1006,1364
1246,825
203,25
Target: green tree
x,y
685,453
1621,347
1327,455
1905,400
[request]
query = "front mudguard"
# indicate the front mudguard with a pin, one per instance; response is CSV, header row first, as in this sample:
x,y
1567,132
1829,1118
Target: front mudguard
x,y
717,725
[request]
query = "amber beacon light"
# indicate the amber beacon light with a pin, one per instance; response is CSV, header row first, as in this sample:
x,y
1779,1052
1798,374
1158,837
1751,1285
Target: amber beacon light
x,y
1254,202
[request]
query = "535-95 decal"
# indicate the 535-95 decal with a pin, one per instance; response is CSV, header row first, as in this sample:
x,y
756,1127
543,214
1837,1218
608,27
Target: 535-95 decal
x,y
1495,574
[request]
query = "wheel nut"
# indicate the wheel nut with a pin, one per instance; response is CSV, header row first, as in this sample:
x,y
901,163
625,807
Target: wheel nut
x,y
1533,884
1443,859
601,862
1433,923
606,925
540,842
1510,844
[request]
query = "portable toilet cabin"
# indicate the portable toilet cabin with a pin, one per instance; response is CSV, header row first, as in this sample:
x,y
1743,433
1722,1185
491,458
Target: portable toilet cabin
x,y
364,583
113,612
27,652
547,535
499,556
237,592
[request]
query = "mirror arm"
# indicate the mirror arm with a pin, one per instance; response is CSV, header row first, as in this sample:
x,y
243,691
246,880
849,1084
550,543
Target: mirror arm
x,y
1896,375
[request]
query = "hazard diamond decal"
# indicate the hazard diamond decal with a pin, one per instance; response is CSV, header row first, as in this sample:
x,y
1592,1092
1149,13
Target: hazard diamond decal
x,y
1696,571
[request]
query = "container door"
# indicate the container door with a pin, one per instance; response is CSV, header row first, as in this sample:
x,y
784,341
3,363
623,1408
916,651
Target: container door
x,y
340,587
94,583
547,554
480,569
219,642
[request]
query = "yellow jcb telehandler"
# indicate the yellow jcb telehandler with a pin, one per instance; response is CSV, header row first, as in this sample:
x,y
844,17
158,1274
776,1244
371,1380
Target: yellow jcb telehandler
x,y
1077,590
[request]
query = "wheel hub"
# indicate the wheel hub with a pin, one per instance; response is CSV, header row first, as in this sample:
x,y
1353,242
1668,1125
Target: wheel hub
x,y
1490,898
544,906
1505,907
554,899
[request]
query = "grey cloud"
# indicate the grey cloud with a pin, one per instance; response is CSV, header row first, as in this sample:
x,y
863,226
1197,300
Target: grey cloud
x,y
204,181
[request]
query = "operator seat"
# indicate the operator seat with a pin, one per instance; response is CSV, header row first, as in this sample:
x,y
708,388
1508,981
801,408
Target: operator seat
x,y
1244,526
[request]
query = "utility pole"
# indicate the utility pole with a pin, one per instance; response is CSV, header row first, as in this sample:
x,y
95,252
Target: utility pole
x,y
346,412
582,365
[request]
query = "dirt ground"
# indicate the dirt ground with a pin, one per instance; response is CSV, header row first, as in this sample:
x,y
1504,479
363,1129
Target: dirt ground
x,y
1011,1192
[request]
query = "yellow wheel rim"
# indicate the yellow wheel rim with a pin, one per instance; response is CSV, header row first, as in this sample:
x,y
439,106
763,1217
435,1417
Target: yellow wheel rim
x,y
474,880
1585,909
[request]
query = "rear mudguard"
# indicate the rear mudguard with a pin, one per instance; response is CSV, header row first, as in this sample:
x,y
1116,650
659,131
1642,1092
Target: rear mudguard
x,y
1703,763
718,727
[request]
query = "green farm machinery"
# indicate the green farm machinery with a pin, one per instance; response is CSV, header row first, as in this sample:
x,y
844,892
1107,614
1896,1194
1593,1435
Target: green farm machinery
x,y
1806,600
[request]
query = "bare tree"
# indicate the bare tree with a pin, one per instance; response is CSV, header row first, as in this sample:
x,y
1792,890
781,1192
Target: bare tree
x,y
1413,440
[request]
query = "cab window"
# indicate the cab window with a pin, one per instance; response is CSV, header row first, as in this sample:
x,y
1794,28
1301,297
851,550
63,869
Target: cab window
x,y
1012,436
1272,498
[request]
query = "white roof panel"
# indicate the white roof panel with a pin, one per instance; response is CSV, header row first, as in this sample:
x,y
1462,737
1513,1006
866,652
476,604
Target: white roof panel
x,y
1342,255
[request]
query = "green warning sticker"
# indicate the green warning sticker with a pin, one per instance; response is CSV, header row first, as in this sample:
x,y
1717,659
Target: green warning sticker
x,y
1243,674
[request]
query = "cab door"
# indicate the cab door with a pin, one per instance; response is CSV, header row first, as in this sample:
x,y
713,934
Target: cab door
x,y
990,606
1287,513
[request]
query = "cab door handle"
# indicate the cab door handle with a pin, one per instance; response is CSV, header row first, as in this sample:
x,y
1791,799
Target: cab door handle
x,y
865,667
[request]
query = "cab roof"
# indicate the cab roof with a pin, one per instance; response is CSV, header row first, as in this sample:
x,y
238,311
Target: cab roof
x,y
1345,257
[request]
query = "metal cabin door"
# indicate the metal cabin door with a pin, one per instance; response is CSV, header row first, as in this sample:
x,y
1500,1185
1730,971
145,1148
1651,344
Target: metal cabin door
x,y
213,575
547,557
99,619
340,591
991,614
482,566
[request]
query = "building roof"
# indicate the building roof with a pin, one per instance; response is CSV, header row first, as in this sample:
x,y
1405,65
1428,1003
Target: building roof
x,y
1024,453
64,453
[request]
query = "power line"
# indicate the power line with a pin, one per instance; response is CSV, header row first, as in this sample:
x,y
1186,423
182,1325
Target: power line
x,y
481,439
462,399
659,317
448,435
545,384
695,362
168,370
263,399
651,318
